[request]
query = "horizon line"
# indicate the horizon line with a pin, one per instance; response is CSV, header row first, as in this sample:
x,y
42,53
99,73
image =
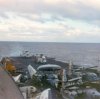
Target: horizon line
x,y
49,42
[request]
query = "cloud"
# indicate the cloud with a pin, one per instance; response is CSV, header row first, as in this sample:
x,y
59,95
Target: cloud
x,y
50,20
20,28
78,9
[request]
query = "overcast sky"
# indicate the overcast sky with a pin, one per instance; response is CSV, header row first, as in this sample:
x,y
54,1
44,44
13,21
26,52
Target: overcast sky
x,y
50,20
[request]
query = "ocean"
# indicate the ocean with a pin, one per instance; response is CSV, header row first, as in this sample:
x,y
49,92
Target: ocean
x,y
87,54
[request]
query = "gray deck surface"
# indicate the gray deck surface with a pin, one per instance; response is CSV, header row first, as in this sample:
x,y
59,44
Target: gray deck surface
x,y
8,89
21,62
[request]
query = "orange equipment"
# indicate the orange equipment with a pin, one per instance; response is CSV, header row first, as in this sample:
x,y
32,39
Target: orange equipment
x,y
8,65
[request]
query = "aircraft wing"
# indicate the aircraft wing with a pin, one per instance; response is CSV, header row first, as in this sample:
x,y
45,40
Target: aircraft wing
x,y
17,78
31,71
75,79
46,94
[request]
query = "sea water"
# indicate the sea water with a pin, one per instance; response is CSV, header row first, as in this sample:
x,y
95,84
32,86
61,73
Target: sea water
x,y
79,53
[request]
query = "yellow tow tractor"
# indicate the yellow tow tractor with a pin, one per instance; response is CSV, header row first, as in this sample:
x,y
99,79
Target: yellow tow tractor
x,y
8,65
